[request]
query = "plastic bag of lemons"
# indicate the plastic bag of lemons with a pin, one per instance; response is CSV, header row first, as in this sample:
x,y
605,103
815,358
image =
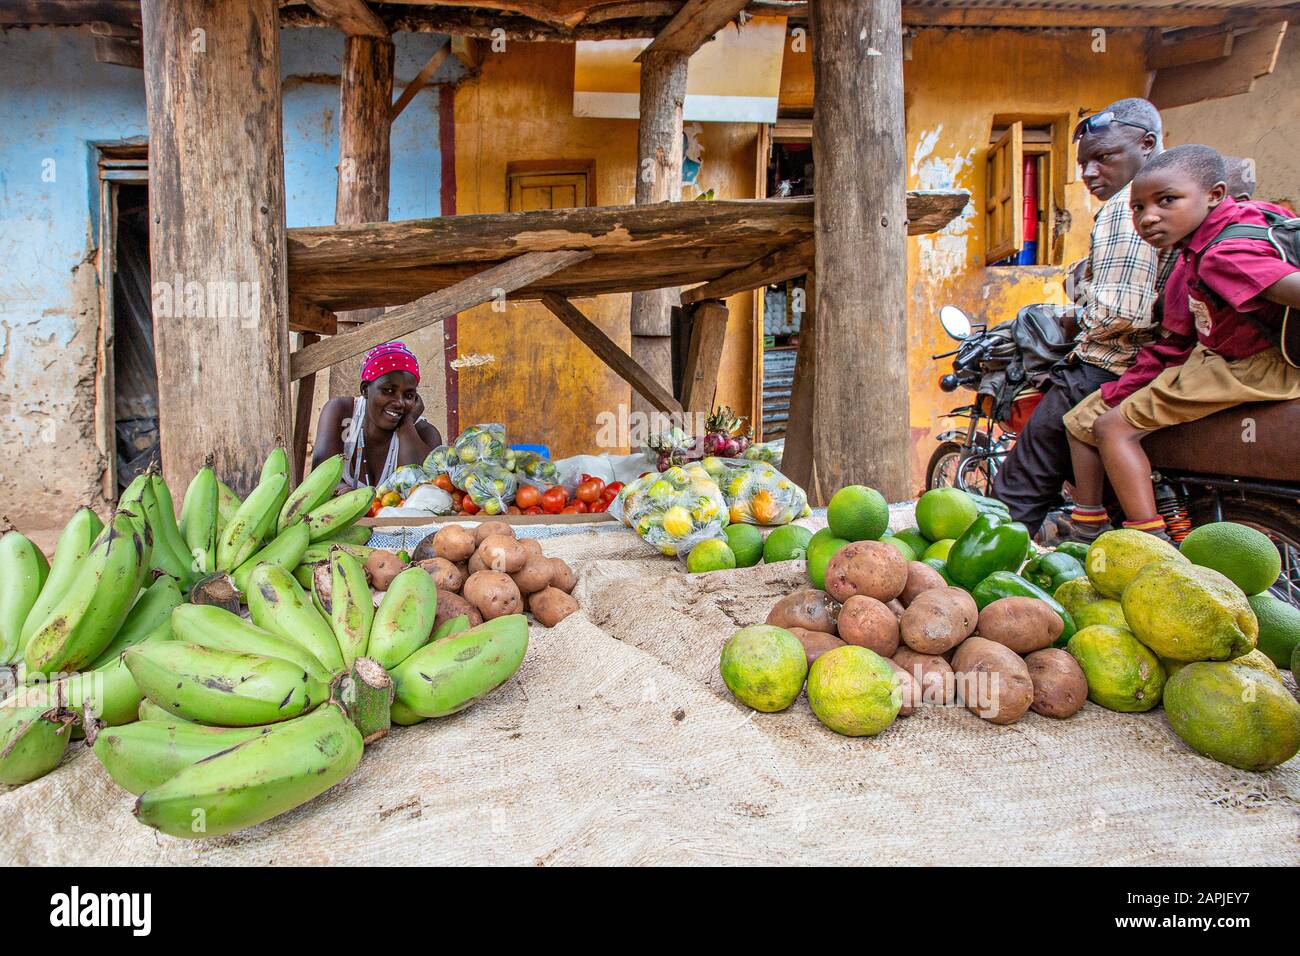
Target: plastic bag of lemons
x,y
755,492
480,443
673,510
490,486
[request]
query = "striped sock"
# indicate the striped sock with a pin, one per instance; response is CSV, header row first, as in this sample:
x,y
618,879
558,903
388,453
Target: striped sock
x,y
1147,524
1088,515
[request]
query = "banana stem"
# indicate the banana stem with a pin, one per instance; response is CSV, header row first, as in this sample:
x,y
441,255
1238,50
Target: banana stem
x,y
366,692
218,590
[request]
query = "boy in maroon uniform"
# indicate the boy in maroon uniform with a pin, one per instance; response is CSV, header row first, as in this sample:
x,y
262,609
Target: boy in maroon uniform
x,y
1236,293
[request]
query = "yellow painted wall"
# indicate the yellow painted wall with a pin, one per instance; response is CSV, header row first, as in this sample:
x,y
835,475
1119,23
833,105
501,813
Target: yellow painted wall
x,y
955,83
533,375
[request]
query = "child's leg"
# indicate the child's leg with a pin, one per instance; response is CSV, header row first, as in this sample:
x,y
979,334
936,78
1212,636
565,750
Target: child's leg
x,y
1088,518
1089,473
1128,469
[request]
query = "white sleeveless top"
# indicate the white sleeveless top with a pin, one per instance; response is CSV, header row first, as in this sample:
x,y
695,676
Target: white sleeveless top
x,y
354,444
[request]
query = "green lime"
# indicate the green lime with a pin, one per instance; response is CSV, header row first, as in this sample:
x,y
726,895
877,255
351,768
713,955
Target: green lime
x,y
1244,556
939,549
710,555
904,547
787,543
746,543
915,540
858,513
1279,628
820,552
945,513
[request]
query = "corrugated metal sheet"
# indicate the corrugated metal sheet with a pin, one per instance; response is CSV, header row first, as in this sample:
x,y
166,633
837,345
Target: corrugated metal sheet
x,y
778,381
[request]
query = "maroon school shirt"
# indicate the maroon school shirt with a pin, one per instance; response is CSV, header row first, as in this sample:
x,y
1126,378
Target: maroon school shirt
x,y
1175,339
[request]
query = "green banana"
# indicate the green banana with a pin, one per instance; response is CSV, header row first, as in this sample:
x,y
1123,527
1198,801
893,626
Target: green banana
x,y
228,504
241,537
198,525
451,627
277,603
285,550
338,513
304,574
273,773
277,463
84,621
355,535
132,500
169,530
223,688
350,608
152,612
321,551
32,742
75,541
23,572
403,716
109,693
150,752
218,629
151,711
314,491
448,676
404,619
165,558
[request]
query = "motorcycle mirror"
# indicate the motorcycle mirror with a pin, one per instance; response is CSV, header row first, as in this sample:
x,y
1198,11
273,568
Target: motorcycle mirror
x,y
954,322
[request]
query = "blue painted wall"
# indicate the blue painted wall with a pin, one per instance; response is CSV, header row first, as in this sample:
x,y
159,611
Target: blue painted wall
x,y
56,104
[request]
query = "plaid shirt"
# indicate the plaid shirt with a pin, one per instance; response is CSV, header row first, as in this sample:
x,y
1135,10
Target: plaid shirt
x,y
1115,300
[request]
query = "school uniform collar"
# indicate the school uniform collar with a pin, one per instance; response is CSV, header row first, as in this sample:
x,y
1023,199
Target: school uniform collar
x,y
1221,216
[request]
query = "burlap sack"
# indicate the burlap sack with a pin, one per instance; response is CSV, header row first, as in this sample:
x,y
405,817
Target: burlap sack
x,y
618,743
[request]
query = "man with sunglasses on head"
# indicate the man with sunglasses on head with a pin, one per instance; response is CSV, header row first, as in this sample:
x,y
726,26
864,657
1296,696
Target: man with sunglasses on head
x,y
1111,314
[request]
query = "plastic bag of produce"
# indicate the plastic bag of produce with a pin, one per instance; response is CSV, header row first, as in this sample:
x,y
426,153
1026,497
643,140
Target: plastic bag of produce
x,y
429,497
755,492
532,469
769,452
674,511
480,443
439,461
403,480
490,486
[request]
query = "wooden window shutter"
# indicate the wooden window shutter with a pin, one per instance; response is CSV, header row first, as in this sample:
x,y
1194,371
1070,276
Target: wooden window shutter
x,y
559,190
1003,229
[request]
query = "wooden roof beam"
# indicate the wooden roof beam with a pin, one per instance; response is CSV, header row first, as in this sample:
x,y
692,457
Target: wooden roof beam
x,y
694,25
420,82
353,17
776,266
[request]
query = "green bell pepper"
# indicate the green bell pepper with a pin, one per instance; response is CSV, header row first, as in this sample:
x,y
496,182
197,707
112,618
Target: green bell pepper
x,y
1075,549
990,544
1049,571
939,565
989,505
1002,584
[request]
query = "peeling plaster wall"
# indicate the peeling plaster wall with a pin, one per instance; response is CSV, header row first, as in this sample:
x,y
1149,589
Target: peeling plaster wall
x,y
57,105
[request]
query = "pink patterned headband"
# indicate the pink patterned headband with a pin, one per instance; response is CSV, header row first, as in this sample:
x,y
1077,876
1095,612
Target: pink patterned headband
x,y
389,357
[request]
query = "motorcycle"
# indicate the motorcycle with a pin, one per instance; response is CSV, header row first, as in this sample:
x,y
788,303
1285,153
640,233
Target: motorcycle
x,y
1197,480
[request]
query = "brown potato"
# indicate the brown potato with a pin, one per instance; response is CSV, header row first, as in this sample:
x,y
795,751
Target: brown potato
x,y
1024,624
452,605
532,546
493,593
476,564
872,568
868,623
454,542
534,576
562,576
488,528
938,620
911,690
503,553
815,643
424,550
920,577
551,606
1059,685
807,608
993,681
932,672
897,607
447,576
381,567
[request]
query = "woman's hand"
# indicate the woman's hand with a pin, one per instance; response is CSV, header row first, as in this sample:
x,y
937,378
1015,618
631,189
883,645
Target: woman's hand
x,y
413,416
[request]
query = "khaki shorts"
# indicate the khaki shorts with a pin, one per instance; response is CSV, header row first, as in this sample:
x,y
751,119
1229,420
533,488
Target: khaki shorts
x,y
1206,383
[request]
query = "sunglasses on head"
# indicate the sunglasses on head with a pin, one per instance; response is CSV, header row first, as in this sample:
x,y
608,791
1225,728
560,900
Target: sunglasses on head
x,y
1100,121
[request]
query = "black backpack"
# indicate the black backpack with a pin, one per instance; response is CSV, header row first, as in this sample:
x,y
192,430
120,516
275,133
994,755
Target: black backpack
x,y
1282,234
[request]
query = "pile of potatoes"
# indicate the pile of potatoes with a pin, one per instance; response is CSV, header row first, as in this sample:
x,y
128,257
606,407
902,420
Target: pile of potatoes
x,y
998,663
486,572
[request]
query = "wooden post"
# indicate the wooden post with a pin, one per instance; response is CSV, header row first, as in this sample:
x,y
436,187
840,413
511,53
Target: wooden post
x,y
658,179
704,356
365,105
217,247
859,423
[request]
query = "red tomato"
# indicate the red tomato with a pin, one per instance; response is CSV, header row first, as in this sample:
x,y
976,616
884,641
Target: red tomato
x,y
443,482
590,490
527,496
513,510
468,505
613,488
534,510
582,507
553,500
599,507
570,510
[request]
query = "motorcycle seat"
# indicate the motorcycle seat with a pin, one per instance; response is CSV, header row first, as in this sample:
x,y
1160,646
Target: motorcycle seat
x,y
1215,444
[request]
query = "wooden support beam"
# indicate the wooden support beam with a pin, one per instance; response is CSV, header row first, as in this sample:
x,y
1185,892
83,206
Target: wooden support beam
x,y
119,51
491,284
307,316
861,261
1195,49
694,25
353,17
469,51
420,82
607,350
1254,54
704,356
797,463
774,267
302,415
68,12
216,201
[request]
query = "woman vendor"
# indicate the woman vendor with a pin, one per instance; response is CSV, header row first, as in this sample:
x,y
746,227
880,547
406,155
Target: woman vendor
x,y
381,429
